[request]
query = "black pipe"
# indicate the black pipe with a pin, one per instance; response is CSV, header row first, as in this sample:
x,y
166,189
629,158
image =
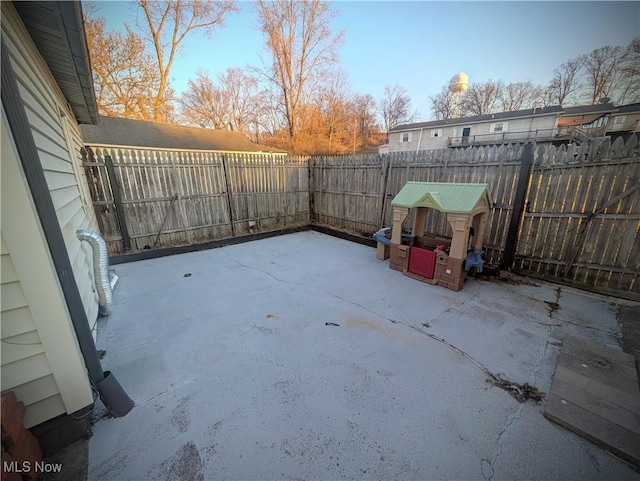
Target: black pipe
x,y
111,394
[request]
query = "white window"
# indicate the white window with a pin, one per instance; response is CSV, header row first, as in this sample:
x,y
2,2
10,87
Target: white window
x,y
619,120
436,133
406,137
498,127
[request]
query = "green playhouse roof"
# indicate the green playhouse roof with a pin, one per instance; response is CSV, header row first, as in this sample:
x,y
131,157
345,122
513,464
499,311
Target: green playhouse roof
x,y
444,196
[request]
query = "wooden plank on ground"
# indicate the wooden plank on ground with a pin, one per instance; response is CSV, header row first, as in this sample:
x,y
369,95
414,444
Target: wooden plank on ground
x,y
595,394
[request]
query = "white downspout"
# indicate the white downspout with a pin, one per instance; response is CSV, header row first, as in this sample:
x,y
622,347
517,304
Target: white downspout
x,y
419,139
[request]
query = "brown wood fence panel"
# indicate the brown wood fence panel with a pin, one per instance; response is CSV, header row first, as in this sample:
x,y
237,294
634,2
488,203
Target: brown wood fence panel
x,y
354,193
184,197
582,215
583,218
346,192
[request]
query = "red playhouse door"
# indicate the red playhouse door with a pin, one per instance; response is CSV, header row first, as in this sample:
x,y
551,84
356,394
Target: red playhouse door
x,y
422,262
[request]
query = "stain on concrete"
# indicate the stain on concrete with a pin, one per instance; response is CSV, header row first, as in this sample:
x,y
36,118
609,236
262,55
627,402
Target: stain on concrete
x,y
264,330
112,467
307,447
288,391
354,322
185,465
179,418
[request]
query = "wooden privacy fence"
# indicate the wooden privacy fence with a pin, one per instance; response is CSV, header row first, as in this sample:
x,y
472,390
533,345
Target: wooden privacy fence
x,y
355,194
569,212
146,198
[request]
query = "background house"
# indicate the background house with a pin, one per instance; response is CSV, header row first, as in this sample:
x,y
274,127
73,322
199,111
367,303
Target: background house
x,y
491,128
48,294
553,124
624,121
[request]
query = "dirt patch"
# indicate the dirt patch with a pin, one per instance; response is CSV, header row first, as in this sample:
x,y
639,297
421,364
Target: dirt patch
x,y
185,465
512,279
629,320
521,392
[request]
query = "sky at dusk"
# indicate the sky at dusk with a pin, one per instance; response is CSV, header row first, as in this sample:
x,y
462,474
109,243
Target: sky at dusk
x,y
421,45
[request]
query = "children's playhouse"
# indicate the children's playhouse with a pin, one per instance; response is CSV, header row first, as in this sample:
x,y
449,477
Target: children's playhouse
x,y
427,258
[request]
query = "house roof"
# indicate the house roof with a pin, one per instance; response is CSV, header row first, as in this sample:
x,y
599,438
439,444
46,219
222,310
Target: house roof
x,y
444,196
57,29
628,108
589,109
540,111
141,133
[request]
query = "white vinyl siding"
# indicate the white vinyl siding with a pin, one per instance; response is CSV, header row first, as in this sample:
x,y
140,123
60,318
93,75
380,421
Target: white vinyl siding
x,y
46,370
58,140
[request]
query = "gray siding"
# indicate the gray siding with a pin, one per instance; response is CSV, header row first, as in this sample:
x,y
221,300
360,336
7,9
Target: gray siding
x,y
427,142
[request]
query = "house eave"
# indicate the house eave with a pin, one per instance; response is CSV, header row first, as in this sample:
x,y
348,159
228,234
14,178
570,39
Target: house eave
x,y
57,29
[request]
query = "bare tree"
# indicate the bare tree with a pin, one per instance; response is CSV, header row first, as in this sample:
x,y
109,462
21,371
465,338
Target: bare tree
x,y
123,76
522,95
603,72
233,103
631,73
169,23
445,104
484,97
566,82
364,107
334,103
302,46
396,107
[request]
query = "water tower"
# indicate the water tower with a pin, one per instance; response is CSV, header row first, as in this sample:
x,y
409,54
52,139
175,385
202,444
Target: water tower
x,y
458,85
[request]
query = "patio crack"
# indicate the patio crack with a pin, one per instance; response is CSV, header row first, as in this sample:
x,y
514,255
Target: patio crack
x,y
487,466
267,273
521,392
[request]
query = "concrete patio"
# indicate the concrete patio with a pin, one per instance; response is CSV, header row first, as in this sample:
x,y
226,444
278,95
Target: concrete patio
x,y
236,375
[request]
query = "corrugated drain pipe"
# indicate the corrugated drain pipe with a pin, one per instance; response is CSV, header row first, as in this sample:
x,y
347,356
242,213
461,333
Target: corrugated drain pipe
x,y
100,269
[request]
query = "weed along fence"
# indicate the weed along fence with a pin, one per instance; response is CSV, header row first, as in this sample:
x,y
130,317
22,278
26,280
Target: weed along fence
x,y
568,213
146,198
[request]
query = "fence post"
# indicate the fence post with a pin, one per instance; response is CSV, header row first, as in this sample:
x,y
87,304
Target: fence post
x,y
228,186
117,200
508,255
312,188
383,190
